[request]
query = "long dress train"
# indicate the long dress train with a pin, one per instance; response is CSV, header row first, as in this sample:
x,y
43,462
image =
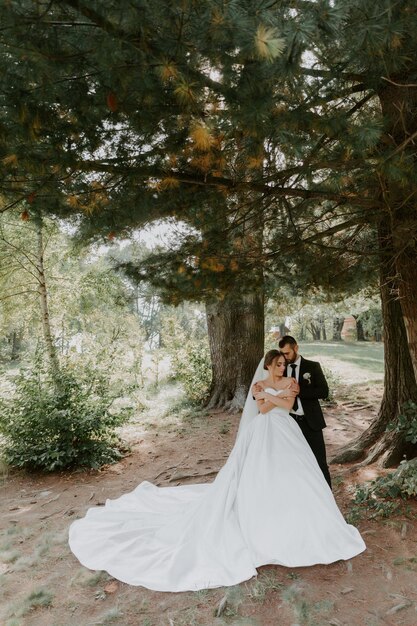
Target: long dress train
x,y
268,504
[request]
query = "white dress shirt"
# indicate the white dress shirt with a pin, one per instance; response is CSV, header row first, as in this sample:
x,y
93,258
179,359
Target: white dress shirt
x,y
296,375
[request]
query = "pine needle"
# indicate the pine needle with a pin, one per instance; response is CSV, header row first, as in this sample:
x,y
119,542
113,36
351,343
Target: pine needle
x,y
268,45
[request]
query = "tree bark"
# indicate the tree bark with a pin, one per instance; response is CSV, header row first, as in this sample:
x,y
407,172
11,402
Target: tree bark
x,y
315,331
323,329
236,337
360,335
337,328
400,385
43,299
399,108
15,339
235,321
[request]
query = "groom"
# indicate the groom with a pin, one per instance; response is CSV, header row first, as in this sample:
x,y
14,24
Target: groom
x,y
307,410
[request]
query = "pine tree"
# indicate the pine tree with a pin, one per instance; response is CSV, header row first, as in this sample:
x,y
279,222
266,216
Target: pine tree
x,y
273,129
174,129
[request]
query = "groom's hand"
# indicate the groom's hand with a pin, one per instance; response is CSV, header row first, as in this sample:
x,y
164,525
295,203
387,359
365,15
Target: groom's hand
x,y
294,386
255,389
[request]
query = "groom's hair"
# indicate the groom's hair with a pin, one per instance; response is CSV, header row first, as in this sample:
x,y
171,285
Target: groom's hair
x,y
287,340
270,357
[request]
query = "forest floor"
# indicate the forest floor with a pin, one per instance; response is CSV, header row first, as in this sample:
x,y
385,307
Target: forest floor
x,y
42,583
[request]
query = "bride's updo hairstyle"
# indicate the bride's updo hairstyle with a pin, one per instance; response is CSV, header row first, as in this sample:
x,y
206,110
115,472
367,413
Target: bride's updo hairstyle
x,y
270,357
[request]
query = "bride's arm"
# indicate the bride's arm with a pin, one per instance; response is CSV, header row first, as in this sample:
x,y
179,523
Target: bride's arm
x,y
263,405
273,401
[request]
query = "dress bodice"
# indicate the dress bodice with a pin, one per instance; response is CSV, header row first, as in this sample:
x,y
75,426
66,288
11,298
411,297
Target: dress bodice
x,y
273,392
277,410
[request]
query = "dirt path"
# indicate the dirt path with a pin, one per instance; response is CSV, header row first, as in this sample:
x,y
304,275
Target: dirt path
x,y
42,584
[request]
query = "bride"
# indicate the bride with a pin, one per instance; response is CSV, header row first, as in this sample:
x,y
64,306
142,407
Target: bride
x,y
269,504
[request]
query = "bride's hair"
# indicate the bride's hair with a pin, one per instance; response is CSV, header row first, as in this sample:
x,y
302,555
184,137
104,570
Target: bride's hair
x,y
270,357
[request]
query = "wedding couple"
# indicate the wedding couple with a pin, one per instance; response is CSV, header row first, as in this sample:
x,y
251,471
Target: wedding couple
x,y
269,504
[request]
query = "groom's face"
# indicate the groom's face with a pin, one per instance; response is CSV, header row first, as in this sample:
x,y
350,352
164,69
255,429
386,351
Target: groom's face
x,y
290,353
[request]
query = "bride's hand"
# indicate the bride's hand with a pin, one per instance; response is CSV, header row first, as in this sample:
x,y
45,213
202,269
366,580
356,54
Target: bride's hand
x,y
260,395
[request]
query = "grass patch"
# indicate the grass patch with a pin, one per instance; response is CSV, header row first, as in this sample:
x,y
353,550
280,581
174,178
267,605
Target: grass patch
x,y
109,617
38,598
306,613
10,557
26,562
224,428
85,578
239,621
14,621
264,584
409,563
365,355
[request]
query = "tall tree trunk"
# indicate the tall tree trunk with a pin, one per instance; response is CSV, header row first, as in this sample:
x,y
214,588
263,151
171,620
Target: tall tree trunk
x,y
323,329
400,384
236,336
315,331
337,328
360,335
15,340
399,108
43,299
406,266
235,322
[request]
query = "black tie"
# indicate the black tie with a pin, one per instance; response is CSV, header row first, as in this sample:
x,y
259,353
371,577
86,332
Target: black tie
x,y
295,405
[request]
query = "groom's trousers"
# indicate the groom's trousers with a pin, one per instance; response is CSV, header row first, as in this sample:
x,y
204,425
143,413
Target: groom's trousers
x,y
315,440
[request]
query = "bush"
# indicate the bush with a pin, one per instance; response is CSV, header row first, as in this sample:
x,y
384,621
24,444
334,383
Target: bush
x,y
333,380
192,366
54,422
407,422
190,360
401,483
380,497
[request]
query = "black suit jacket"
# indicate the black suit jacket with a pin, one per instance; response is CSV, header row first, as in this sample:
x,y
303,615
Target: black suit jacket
x,y
312,388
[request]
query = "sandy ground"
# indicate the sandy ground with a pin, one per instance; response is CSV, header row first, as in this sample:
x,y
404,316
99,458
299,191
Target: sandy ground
x,y
42,584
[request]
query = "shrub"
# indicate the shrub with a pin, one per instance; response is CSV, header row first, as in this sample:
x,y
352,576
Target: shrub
x,y
192,366
407,422
333,380
58,421
401,483
190,360
380,497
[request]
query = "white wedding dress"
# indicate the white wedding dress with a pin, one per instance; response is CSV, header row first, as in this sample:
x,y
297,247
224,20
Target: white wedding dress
x,y
268,504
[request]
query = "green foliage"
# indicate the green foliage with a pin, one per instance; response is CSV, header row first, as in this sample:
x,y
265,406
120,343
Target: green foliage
x,y
191,365
401,483
333,380
380,497
38,598
190,360
407,422
59,421
371,322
